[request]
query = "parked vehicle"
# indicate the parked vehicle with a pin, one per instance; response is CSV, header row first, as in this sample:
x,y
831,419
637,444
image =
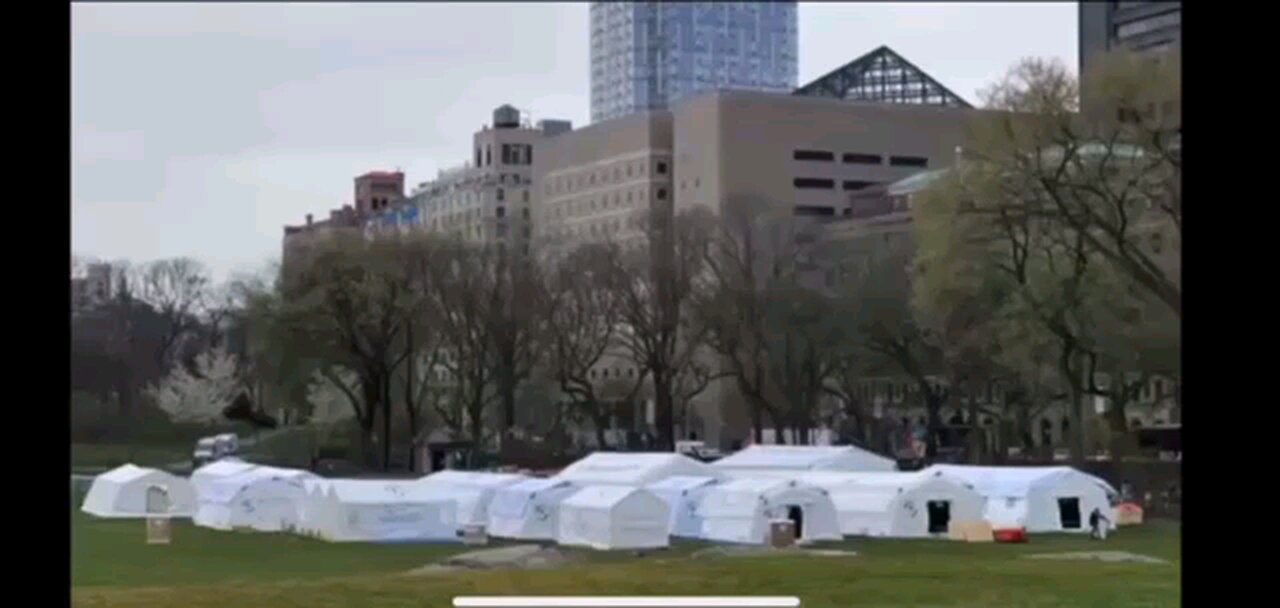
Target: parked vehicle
x,y
210,449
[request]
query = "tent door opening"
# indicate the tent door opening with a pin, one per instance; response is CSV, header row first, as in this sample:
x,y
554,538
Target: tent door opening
x,y
157,499
939,516
796,515
1069,512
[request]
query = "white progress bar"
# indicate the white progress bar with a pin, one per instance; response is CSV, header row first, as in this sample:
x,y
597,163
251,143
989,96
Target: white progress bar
x,y
624,601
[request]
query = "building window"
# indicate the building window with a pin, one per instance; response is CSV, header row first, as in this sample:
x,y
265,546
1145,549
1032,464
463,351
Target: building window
x,y
813,155
501,211
662,194
525,213
856,184
814,183
477,156
488,155
524,195
908,161
662,168
1150,24
501,194
854,158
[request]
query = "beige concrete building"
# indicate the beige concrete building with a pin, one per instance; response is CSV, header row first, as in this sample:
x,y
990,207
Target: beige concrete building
x,y
600,183
800,156
488,199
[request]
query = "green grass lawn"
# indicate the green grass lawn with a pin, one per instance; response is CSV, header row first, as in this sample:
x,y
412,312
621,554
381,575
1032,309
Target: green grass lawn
x,y
112,566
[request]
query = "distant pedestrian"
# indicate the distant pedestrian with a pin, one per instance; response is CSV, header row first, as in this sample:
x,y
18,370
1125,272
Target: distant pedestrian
x,y
1098,524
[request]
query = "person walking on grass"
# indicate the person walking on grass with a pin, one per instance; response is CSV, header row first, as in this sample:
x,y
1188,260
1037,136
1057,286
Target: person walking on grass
x,y
1098,524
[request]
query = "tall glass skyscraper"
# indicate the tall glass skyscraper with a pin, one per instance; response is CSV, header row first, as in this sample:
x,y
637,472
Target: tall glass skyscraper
x,y
647,55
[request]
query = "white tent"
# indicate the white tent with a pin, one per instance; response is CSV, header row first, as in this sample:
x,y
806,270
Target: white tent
x,y
682,494
899,505
379,511
482,479
125,491
202,477
1040,499
739,511
758,458
266,499
311,507
613,517
528,509
633,468
471,492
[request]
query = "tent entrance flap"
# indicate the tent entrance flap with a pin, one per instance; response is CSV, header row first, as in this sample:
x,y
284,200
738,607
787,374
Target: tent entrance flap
x,y
1069,511
796,515
939,516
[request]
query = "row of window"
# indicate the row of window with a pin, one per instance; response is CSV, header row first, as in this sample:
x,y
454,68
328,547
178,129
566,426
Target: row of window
x,y
609,200
1149,24
602,227
590,179
822,183
857,158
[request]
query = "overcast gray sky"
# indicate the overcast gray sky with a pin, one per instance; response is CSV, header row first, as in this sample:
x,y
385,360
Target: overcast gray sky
x,y
201,129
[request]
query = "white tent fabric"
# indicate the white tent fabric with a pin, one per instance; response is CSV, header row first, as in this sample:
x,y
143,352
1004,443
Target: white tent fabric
x,y
1040,499
480,479
528,509
739,511
266,499
123,493
633,468
379,511
758,458
613,517
683,493
311,507
471,492
202,477
898,505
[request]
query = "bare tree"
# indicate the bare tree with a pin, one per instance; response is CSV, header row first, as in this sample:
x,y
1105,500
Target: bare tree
x,y
1109,173
343,309
584,321
654,285
177,289
765,319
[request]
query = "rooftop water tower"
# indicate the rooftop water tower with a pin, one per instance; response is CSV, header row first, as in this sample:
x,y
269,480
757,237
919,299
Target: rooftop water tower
x,y
506,117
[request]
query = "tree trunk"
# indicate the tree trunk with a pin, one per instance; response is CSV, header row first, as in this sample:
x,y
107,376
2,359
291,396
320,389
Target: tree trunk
x,y
663,412
1118,424
370,387
933,422
507,388
476,430
386,422
977,434
601,422
757,423
1075,407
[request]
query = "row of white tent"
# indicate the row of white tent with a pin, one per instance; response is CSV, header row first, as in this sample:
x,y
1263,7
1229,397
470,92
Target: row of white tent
x,y
622,500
